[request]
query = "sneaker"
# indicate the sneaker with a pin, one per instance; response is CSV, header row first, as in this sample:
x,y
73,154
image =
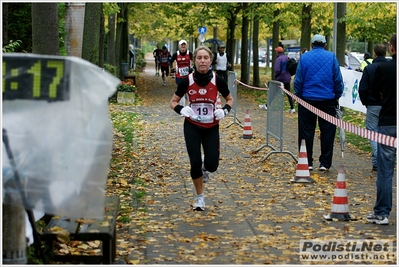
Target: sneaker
x,y
205,173
164,83
382,220
291,110
322,168
263,106
199,203
374,169
310,168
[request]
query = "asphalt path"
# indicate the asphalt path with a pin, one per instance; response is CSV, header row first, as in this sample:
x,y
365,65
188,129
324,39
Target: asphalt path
x,y
254,214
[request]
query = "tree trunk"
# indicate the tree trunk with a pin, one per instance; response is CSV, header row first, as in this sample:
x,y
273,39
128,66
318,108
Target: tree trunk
x,y
370,47
341,36
244,47
215,35
5,24
45,36
122,40
91,32
101,53
276,39
256,79
306,25
230,37
111,40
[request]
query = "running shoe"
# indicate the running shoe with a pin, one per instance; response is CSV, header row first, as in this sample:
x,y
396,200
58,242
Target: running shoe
x,y
310,168
382,220
199,203
263,106
322,168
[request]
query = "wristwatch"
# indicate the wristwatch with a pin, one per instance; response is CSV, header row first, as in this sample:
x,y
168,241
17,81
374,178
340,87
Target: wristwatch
x,y
225,111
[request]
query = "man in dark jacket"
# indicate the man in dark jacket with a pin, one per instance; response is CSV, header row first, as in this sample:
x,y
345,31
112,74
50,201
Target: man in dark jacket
x,y
372,104
385,86
318,81
281,74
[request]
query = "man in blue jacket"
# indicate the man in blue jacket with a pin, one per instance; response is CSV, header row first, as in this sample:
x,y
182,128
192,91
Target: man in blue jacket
x,y
318,81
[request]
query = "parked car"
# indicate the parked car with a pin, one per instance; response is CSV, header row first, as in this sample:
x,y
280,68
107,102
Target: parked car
x,y
355,59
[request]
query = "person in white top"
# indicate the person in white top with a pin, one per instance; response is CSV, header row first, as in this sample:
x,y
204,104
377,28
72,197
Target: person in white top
x,y
221,62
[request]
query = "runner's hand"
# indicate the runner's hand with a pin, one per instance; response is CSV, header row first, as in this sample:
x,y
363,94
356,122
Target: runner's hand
x,y
173,70
187,112
219,114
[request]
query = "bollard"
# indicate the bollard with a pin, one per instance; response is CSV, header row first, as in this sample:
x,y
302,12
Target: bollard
x,y
14,237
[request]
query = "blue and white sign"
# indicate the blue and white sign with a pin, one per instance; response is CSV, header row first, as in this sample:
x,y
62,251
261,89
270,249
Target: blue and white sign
x,y
201,38
202,30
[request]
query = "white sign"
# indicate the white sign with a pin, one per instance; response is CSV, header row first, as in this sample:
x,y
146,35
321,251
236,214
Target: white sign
x,y
201,38
350,97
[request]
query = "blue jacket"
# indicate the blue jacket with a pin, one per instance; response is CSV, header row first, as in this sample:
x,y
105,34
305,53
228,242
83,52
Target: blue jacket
x,y
318,76
280,69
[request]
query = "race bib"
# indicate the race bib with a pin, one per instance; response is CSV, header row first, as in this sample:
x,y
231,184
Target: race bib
x,y
203,112
184,71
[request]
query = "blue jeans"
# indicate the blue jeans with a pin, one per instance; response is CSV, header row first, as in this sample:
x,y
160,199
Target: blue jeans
x,y
386,157
372,125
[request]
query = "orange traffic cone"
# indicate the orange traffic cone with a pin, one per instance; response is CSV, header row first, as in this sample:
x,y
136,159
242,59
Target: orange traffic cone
x,y
247,133
302,174
340,207
218,102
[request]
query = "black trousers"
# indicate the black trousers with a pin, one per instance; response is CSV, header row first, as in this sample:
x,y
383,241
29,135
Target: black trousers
x,y
196,136
307,127
287,86
222,73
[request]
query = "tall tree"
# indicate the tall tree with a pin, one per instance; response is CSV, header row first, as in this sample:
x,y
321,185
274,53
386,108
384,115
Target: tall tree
x,y
256,79
111,40
110,10
276,37
101,42
244,46
122,39
91,32
232,12
306,25
341,35
45,38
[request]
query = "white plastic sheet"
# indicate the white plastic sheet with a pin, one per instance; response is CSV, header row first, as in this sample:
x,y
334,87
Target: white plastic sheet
x,y
61,149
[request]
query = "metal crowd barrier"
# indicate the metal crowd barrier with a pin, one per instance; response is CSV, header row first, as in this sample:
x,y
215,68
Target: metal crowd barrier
x,y
274,118
232,83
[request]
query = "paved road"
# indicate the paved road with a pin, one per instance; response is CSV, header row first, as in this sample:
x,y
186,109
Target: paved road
x,y
253,215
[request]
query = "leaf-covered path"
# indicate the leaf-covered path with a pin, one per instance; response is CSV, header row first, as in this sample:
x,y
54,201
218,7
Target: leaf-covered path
x,y
253,215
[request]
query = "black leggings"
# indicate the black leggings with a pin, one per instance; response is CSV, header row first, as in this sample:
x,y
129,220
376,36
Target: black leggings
x,y
196,136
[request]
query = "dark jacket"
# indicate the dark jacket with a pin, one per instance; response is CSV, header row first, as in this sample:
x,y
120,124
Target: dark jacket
x,y
366,81
384,85
281,73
